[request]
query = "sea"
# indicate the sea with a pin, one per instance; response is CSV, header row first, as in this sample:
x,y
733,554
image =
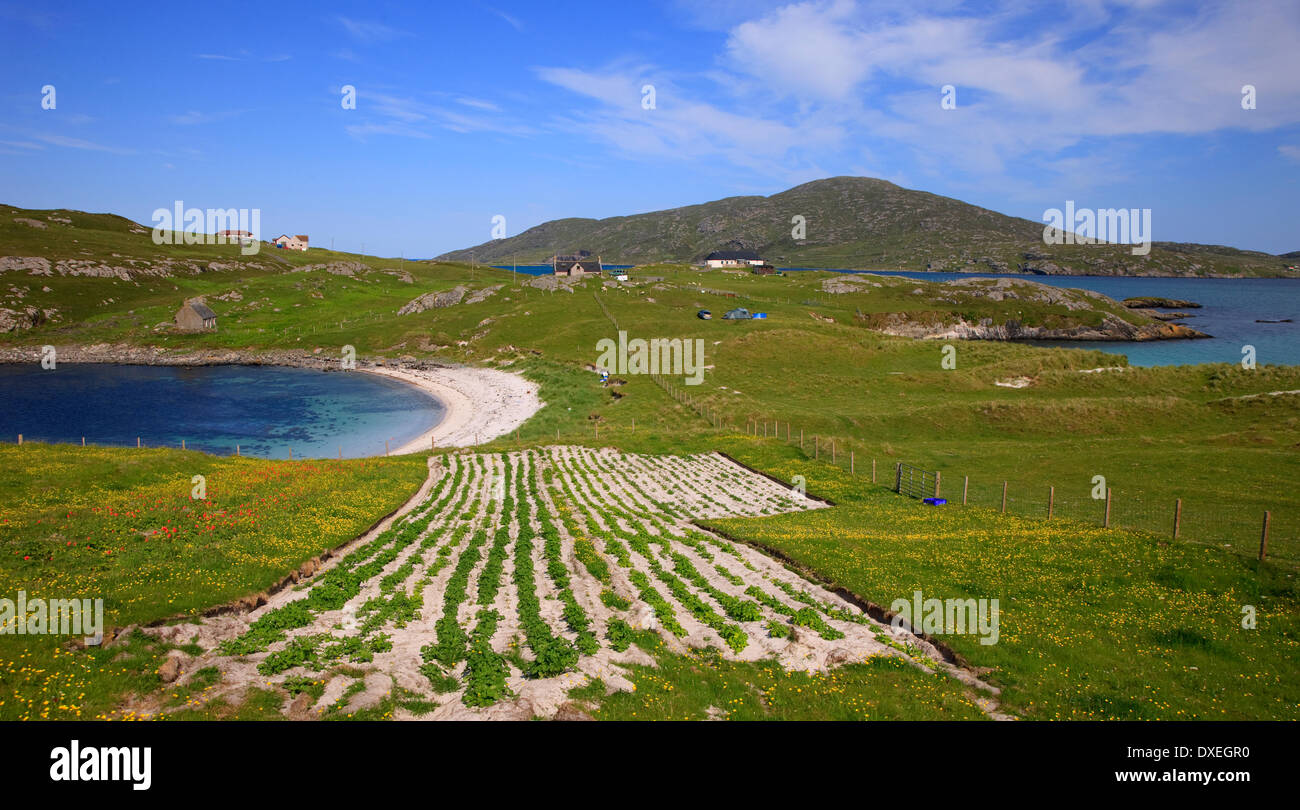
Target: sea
x,y
268,411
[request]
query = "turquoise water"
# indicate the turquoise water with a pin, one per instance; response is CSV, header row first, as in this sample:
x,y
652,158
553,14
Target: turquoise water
x,y
1229,310
266,410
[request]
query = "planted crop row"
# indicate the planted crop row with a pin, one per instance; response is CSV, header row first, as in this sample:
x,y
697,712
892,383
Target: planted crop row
x,y
574,616
552,654
334,588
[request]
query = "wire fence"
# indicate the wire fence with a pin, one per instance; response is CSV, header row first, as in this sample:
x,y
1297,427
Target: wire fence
x,y
1211,519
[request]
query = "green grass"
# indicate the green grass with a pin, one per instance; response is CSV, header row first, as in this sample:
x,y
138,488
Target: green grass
x,y
119,525
1094,624
702,685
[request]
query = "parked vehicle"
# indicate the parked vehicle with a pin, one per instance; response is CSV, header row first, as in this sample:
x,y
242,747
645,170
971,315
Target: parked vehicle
x,y
704,315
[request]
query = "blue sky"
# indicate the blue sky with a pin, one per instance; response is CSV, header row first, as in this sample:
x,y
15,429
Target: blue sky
x,y
534,111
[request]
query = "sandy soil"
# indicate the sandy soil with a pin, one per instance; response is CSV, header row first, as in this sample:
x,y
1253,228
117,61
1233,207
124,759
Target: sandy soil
x,y
481,404
607,497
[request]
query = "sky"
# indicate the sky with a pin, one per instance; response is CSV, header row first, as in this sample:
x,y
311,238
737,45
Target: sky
x,y
468,111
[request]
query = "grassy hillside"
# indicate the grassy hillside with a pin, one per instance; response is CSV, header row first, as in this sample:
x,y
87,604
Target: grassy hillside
x,y
859,223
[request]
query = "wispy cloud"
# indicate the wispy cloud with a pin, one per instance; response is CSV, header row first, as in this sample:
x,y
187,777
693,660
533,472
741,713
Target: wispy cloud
x,y
513,21
78,143
478,103
244,56
389,114
194,117
369,31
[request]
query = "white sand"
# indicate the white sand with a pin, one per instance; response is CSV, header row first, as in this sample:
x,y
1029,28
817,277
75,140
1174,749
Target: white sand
x,y
481,404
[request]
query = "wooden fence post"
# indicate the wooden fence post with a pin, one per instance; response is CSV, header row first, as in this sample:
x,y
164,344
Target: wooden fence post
x,y
832,451
137,442
182,444
1106,525
1178,516
817,447
852,469
83,441
965,487
800,438
20,438
1263,538
873,471
237,451
1004,497
633,427
898,476
1051,501
385,446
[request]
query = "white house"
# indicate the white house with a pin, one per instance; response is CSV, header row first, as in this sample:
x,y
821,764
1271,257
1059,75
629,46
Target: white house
x,y
733,258
287,242
242,237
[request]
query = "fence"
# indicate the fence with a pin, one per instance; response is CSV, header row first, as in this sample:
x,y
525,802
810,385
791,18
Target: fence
x,y
915,482
1220,521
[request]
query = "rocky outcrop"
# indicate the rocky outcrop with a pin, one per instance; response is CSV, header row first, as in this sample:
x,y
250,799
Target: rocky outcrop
x,y
15,320
1014,289
448,298
340,268
1149,302
1111,328
34,265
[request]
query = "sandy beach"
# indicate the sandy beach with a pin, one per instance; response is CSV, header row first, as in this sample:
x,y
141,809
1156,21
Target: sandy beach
x,y
481,404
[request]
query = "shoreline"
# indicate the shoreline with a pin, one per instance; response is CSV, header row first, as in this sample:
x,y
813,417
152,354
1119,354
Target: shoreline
x,y
479,404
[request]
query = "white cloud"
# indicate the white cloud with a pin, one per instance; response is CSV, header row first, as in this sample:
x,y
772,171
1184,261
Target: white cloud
x,y
369,31
802,82
512,21
415,118
194,117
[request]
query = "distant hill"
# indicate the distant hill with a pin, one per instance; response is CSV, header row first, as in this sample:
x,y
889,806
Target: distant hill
x,y
859,223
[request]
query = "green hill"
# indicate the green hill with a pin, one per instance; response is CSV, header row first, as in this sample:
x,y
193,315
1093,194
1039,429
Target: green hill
x,y
859,223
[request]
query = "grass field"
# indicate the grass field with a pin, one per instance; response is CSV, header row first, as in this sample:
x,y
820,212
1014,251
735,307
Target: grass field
x,y
1095,624
121,525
